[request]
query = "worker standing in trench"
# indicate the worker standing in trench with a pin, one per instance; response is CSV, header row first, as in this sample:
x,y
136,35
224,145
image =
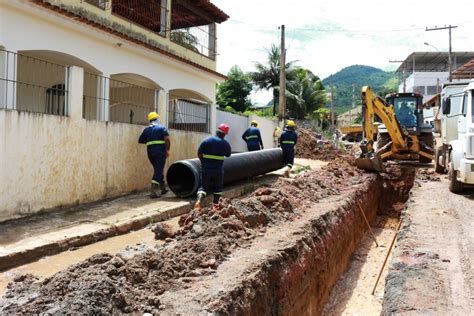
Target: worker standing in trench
x,y
156,138
252,137
288,140
211,153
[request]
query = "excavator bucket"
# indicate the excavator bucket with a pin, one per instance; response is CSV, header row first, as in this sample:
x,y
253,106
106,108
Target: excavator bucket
x,y
370,162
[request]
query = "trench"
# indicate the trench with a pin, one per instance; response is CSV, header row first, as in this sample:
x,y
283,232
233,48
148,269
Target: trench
x,y
296,268
352,293
301,278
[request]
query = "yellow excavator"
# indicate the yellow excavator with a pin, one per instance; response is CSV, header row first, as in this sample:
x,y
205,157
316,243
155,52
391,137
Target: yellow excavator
x,y
403,135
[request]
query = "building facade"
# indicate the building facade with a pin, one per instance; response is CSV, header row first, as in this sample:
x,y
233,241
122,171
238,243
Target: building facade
x,y
77,78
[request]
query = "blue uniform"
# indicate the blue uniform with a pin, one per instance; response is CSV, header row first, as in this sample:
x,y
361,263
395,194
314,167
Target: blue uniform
x,y
253,138
288,140
213,150
154,138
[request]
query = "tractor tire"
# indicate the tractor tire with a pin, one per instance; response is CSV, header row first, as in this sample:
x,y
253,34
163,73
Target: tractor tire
x,y
438,153
454,185
428,139
382,140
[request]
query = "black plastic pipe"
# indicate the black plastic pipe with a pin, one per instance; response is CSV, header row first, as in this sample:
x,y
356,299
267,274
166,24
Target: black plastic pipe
x,y
183,176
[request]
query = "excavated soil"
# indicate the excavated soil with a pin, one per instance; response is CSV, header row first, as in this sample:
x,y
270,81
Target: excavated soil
x,y
119,283
306,148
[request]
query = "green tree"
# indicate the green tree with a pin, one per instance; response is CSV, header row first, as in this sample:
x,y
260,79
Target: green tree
x,y
267,76
322,116
305,93
235,91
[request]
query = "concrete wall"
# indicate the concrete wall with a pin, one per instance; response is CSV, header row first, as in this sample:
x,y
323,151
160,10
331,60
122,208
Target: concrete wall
x,y
238,124
267,127
49,161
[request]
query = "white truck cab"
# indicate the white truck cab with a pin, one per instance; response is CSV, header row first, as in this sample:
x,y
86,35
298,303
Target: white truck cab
x,y
457,135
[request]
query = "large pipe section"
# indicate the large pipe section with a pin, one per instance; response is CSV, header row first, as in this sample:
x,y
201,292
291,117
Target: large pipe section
x,y
183,176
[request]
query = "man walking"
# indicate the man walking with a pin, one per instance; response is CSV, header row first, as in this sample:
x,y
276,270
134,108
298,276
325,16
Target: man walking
x,y
157,141
288,140
211,153
252,137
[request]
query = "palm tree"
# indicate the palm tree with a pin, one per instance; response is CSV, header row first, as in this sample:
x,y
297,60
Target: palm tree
x,y
267,76
305,94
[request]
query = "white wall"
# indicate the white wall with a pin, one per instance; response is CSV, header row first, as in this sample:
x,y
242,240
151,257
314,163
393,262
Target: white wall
x,y
267,127
238,124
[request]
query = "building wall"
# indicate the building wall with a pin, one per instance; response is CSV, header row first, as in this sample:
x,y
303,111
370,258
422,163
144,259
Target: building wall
x,y
107,53
267,127
49,161
239,123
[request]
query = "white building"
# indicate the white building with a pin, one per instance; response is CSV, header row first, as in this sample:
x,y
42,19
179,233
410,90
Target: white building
x,y
77,78
426,72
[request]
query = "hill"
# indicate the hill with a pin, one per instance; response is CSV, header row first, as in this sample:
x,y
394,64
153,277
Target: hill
x,y
381,82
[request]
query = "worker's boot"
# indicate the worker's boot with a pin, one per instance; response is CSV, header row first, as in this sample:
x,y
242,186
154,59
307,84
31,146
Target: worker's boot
x,y
163,187
155,191
200,196
286,173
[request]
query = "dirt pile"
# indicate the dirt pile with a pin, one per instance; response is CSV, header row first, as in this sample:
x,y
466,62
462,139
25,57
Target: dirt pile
x,y
307,147
115,284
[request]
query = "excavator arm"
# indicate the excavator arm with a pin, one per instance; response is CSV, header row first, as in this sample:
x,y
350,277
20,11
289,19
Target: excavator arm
x,y
373,105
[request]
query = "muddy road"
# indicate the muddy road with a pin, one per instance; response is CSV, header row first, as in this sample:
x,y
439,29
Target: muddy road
x,y
432,267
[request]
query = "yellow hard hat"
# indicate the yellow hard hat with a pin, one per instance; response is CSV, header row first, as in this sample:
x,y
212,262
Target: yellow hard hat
x,y
290,123
153,116
254,123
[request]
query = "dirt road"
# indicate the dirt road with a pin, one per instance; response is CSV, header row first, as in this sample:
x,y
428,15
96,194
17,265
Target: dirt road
x,y
431,271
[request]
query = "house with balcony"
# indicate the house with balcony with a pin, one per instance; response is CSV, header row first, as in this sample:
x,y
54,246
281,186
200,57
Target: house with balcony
x,y
77,78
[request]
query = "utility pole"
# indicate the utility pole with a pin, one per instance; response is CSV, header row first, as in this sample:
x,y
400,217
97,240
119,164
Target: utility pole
x,y
353,104
332,105
449,27
282,99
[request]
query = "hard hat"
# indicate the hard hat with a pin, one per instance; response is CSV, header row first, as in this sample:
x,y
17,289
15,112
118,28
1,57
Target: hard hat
x,y
224,128
290,123
153,116
254,123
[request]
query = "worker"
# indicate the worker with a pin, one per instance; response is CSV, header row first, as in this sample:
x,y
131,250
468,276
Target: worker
x,y
211,153
335,139
252,137
288,140
405,115
276,136
156,138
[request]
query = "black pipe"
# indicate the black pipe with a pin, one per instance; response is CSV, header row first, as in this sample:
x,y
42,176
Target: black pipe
x,y
183,176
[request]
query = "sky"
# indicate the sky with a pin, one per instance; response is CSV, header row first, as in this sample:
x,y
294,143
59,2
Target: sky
x,y
327,35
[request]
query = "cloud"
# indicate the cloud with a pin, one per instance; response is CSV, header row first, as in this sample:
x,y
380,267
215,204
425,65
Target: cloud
x,y
328,35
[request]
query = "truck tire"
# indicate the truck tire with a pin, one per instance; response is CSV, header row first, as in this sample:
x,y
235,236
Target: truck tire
x,y
438,167
428,139
454,185
382,140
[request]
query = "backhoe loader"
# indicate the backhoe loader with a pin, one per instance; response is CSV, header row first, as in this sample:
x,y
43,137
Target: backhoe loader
x,y
403,135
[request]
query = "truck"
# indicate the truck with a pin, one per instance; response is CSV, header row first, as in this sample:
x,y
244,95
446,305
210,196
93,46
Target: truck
x,y
455,153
